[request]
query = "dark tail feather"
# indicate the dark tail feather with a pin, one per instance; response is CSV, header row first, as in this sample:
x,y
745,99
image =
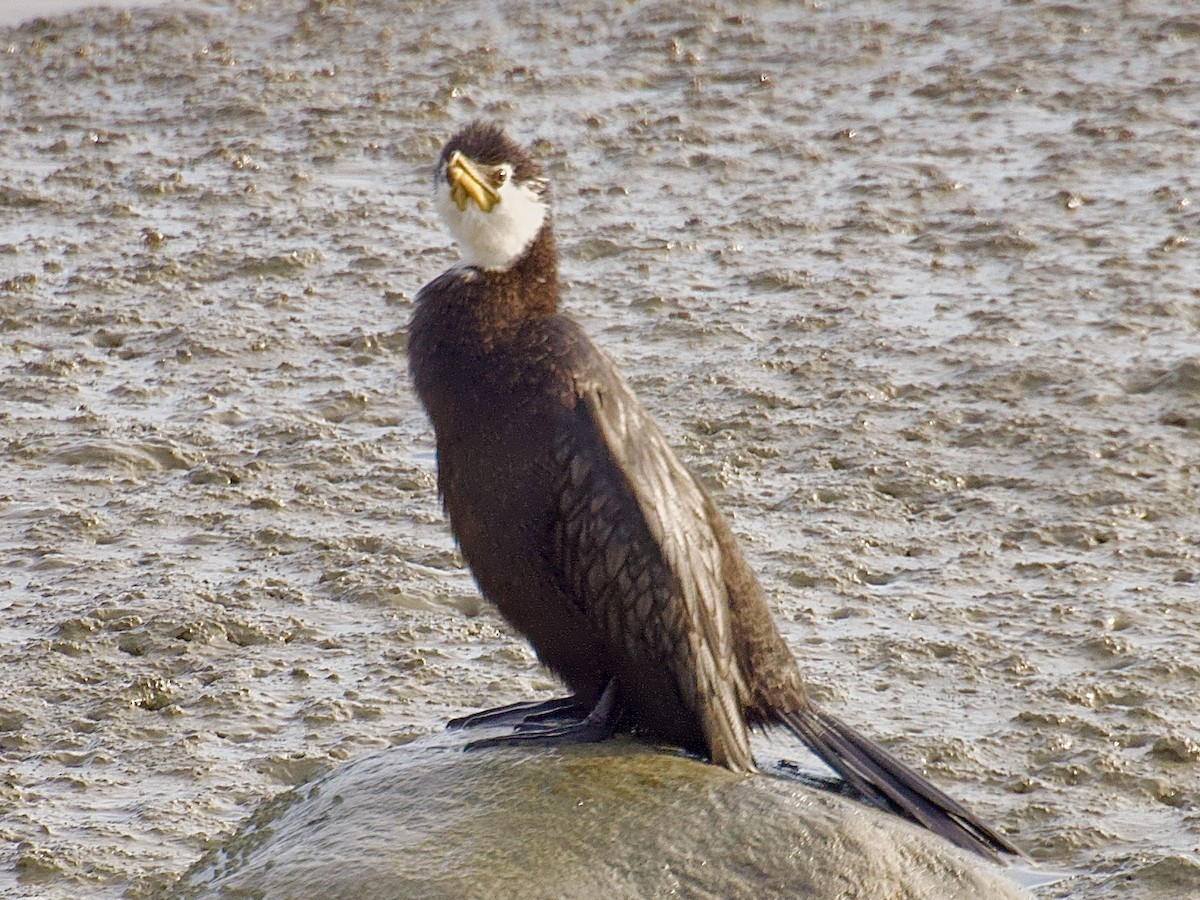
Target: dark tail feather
x,y
884,781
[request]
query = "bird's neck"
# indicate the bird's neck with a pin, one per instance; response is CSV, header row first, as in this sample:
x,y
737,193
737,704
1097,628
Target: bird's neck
x,y
528,289
468,311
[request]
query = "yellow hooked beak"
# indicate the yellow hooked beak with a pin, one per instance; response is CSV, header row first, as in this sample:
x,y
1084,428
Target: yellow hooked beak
x,y
466,181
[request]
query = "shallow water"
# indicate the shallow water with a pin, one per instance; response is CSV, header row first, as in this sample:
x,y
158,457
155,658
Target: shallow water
x,y
913,287
17,12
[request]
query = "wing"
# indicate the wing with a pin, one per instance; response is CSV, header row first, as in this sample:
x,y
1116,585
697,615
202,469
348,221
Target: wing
x,y
637,552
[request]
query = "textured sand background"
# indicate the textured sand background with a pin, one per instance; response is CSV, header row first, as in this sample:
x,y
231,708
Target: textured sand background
x,y
914,286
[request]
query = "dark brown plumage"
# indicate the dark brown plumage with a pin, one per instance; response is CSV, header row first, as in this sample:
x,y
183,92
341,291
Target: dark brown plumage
x,y
582,526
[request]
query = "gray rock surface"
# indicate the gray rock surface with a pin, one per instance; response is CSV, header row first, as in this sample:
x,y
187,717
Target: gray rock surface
x,y
610,820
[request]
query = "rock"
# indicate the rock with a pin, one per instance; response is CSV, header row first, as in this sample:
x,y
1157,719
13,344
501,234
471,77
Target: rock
x,y
617,819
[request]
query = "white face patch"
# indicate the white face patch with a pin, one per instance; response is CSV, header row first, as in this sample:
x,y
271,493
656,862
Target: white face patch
x,y
496,239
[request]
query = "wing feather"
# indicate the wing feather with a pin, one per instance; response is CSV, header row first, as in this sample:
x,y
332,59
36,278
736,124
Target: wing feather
x,y
635,545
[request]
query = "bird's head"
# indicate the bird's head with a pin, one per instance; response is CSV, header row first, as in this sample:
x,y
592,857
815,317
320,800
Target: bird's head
x,y
491,194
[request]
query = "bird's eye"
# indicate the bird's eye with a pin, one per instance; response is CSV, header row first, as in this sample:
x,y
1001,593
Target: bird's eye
x,y
499,176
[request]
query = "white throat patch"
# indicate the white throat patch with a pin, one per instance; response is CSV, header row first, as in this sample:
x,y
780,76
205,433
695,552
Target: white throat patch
x,y
496,239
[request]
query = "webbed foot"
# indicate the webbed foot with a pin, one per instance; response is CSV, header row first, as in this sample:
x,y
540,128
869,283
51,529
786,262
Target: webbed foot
x,y
516,714
596,726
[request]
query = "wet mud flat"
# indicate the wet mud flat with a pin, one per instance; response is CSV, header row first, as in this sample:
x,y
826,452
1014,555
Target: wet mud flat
x,y
915,288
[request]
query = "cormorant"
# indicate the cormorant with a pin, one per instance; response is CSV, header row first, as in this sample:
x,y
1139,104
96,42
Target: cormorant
x,y
583,527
